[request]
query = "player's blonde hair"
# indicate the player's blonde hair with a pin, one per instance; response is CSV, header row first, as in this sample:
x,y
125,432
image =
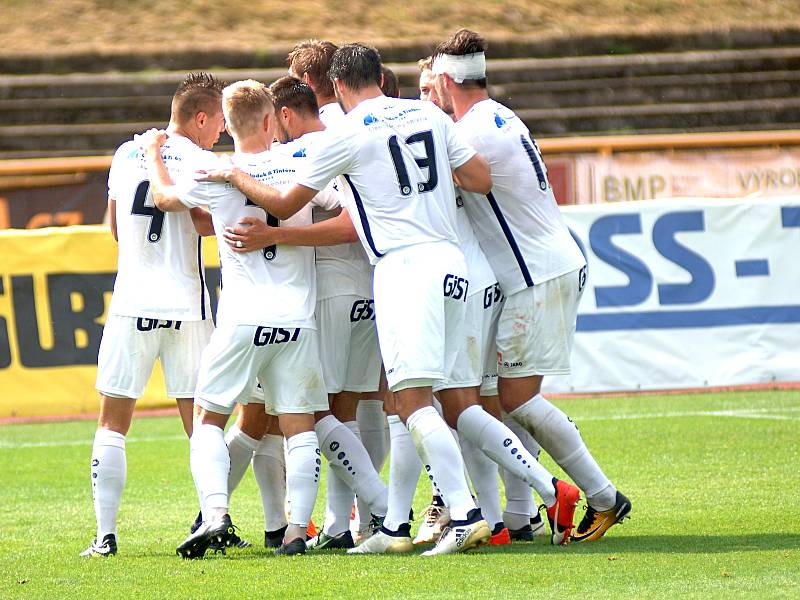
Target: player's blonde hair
x,y
245,103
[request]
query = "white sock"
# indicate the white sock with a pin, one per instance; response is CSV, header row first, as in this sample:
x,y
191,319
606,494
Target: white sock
x,y
518,501
521,491
269,467
372,425
404,470
483,474
302,476
439,451
502,446
240,447
109,470
560,438
210,464
347,456
373,428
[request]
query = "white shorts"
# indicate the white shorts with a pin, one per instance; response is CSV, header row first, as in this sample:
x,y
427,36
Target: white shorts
x,y
537,325
129,349
476,364
351,361
493,301
285,362
420,304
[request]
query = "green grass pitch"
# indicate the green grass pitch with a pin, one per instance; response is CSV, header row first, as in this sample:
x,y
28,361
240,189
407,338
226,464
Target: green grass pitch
x,y
714,480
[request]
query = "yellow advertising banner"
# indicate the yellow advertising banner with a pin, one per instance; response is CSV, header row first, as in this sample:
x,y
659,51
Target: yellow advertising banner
x,y
55,288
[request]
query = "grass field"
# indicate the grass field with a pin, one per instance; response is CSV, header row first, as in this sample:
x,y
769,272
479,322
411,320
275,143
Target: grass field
x,y
713,478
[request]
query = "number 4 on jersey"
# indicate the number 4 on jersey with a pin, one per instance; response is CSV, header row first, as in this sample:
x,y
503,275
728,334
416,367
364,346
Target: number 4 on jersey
x,y
140,207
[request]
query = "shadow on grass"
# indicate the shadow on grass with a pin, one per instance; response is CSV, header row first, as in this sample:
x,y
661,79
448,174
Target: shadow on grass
x,y
649,544
666,544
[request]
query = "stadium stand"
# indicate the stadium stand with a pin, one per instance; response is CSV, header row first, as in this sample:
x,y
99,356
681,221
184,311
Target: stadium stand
x,y
655,91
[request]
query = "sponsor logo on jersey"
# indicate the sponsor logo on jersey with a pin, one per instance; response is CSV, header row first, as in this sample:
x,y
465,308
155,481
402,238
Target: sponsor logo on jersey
x,y
455,287
275,335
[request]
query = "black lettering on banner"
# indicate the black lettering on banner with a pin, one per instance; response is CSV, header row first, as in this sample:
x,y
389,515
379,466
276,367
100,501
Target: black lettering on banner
x,y
428,162
141,208
5,345
65,319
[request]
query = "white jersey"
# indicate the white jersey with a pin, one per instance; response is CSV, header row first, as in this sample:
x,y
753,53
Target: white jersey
x,y
274,286
518,225
343,269
480,272
331,114
396,156
160,271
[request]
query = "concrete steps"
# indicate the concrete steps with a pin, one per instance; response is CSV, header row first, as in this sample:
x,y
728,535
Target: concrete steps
x,y
708,90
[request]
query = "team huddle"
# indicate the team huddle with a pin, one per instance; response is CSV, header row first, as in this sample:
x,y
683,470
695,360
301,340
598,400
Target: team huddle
x,y
386,264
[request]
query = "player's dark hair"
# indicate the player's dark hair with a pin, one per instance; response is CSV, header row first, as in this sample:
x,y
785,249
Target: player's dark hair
x,y
313,58
357,66
461,43
198,92
296,94
391,85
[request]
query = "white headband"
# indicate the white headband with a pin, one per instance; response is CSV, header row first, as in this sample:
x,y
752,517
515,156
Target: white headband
x,y
467,66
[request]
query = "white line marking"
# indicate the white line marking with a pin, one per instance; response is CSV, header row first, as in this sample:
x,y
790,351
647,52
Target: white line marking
x,y
741,413
87,442
744,413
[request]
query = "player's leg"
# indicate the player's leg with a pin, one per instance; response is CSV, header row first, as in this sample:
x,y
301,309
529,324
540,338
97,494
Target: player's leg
x,y
293,388
548,312
269,468
361,387
181,345
351,470
349,462
405,468
243,437
124,364
411,295
335,328
228,367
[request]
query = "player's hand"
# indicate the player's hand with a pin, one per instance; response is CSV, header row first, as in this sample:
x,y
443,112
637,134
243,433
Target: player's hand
x,y
223,173
250,234
151,140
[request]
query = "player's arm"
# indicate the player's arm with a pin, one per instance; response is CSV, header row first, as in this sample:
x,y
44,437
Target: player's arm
x,y
474,175
280,204
164,193
202,221
255,234
112,217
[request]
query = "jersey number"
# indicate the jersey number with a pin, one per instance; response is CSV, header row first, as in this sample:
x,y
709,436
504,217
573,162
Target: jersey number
x,y
155,214
270,252
532,150
428,162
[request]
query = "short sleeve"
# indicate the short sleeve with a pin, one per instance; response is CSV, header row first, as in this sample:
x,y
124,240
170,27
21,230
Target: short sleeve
x,y
193,193
118,167
330,157
458,149
328,198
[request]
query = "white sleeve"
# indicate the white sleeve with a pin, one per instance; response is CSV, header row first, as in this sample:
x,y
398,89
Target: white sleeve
x,y
116,170
330,158
193,193
328,198
458,149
